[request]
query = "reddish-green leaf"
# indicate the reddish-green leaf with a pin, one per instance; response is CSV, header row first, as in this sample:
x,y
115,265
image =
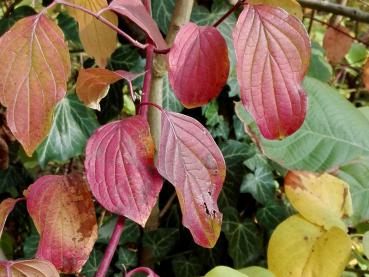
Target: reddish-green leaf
x,y
34,70
198,65
136,12
63,212
93,84
334,51
28,268
190,159
273,53
120,168
6,206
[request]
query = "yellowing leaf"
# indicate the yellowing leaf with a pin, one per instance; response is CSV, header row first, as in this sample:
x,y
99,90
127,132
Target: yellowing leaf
x,y
222,271
34,70
299,248
28,268
291,6
98,39
256,271
6,206
290,246
330,255
323,200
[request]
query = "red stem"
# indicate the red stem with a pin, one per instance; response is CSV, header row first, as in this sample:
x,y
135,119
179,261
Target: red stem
x,y
146,270
147,80
231,10
104,21
112,246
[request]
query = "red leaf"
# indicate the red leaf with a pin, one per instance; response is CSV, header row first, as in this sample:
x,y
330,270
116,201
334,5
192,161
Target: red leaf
x,y
273,54
198,65
136,12
190,159
333,50
6,206
120,168
34,71
27,268
63,212
93,84
366,74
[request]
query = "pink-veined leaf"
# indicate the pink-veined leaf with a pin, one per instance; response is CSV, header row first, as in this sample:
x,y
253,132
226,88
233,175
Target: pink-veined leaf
x,y
93,84
198,64
190,159
137,13
63,212
28,268
273,54
120,168
6,206
34,71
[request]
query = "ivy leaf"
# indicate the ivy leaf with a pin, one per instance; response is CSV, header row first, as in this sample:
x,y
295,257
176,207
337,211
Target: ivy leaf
x,y
126,259
7,22
300,248
63,212
70,28
131,232
162,13
244,239
271,215
275,48
186,267
137,13
198,65
124,58
34,71
73,124
217,126
98,39
161,241
120,168
93,84
170,102
93,263
28,268
323,200
189,158
260,185
327,139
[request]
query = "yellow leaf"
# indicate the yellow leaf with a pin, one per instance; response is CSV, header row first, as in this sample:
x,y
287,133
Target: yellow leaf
x,y
222,271
290,246
323,200
98,39
256,271
331,253
291,6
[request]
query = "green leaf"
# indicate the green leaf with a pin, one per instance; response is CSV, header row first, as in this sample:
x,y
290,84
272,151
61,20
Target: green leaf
x,y
186,267
131,232
334,132
202,16
366,244
221,271
170,102
30,246
161,241
73,124
216,124
260,185
70,28
124,58
256,271
319,67
271,215
162,13
127,259
92,263
356,174
244,239
357,55
7,22
15,177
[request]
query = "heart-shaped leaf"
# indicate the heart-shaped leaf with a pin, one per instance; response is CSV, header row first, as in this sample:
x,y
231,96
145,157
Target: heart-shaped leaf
x,y
136,12
120,168
189,158
63,212
291,6
28,268
93,84
198,64
6,206
273,54
98,39
34,70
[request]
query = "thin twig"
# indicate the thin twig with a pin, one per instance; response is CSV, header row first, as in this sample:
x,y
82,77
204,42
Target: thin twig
x,y
167,205
231,10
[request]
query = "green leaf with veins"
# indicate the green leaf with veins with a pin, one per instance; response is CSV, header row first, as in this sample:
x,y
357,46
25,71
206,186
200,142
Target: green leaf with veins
x,y
161,241
170,102
162,13
73,124
92,264
127,259
186,267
